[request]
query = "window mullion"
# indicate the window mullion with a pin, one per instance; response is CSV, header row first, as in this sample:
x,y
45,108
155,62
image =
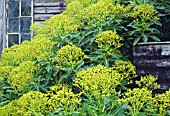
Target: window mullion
x,y
19,22
32,14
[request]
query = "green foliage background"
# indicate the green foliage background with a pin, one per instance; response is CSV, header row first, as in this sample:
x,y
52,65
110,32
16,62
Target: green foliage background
x,y
77,63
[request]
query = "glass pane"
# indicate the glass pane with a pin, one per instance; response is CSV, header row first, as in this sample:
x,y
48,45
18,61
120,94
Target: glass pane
x,y
25,8
13,25
13,9
13,0
13,39
25,24
25,37
26,0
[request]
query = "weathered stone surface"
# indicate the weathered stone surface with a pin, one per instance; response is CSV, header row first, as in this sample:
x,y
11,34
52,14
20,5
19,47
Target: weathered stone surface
x,y
152,62
153,58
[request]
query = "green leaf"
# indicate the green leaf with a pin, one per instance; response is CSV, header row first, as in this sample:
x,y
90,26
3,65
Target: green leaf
x,y
4,102
154,37
63,77
136,41
92,39
160,7
106,62
158,23
123,87
120,109
95,57
80,65
161,15
153,30
141,114
145,37
168,112
134,26
87,33
48,67
39,62
132,32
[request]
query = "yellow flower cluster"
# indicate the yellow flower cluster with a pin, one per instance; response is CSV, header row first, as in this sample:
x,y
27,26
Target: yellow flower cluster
x,y
148,81
162,103
75,13
37,103
109,40
138,98
98,81
32,103
102,10
58,24
21,76
69,56
126,69
144,13
84,1
4,73
5,70
75,6
62,97
97,11
38,48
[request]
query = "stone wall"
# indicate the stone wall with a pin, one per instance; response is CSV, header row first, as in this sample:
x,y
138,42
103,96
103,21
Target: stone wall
x,y
153,58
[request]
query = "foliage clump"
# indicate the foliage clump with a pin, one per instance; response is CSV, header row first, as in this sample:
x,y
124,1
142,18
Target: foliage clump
x,y
109,40
59,98
36,49
98,81
126,69
69,55
77,63
25,74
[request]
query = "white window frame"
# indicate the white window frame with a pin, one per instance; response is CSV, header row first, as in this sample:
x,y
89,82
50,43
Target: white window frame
x,y
32,21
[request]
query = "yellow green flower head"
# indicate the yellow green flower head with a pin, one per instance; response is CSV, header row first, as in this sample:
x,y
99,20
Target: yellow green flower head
x,y
38,48
101,10
62,97
37,103
161,103
83,1
75,6
148,81
108,39
21,76
69,55
98,81
138,98
126,69
58,24
32,103
144,12
5,70
97,11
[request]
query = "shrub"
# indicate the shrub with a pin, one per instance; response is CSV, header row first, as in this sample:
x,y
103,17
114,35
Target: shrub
x,y
161,103
69,56
99,81
77,63
32,103
59,98
36,49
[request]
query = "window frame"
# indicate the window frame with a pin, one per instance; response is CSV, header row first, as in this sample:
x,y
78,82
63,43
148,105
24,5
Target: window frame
x,y
20,16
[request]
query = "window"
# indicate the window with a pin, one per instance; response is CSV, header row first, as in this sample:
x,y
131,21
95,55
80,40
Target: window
x,y
19,20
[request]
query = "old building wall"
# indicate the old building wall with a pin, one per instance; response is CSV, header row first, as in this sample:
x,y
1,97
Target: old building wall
x,y
153,58
2,25
44,9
